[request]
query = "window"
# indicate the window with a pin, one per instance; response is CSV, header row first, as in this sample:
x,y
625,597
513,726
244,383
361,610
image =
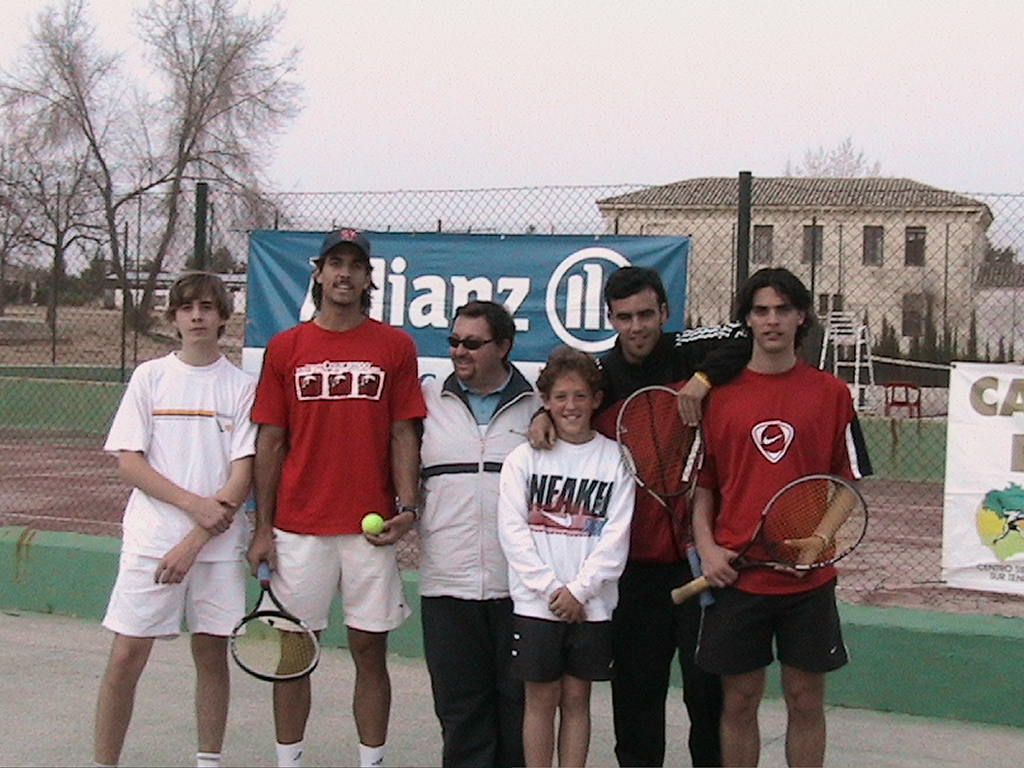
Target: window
x,y
873,245
829,302
914,307
761,253
812,243
914,248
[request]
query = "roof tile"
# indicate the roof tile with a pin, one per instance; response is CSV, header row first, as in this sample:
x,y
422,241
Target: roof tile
x,y
798,192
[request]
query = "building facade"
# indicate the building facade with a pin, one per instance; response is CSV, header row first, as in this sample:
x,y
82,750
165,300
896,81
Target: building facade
x,y
897,252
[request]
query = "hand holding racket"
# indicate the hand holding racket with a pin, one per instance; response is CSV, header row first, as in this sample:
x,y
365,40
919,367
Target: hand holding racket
x,y
273,645
661,452
810,523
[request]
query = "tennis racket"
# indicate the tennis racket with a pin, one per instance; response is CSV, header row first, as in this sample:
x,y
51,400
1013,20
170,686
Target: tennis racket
x,y
811,522
273,645
661,452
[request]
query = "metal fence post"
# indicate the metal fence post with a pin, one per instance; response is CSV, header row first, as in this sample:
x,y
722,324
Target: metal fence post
x,y
745,183
199,247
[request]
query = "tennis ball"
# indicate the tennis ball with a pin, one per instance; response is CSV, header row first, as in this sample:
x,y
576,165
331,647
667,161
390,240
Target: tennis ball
x,y
373,523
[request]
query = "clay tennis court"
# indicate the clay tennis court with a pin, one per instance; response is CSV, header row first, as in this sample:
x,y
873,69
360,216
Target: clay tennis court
x,y
65,482
60,483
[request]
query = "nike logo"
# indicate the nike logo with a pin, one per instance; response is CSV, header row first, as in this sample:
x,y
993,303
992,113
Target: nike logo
x,y
564,519
773,438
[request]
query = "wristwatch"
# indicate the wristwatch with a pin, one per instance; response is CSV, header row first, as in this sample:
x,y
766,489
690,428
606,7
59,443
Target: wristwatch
x,y
408,508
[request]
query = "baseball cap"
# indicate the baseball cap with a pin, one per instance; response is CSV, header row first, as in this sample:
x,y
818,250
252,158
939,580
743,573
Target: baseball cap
x,y
343,236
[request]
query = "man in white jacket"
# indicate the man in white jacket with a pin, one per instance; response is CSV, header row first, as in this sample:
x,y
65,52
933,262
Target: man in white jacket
x,y
475,417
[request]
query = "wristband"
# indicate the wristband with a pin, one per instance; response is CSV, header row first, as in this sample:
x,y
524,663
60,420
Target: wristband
x,y
408,508
703,378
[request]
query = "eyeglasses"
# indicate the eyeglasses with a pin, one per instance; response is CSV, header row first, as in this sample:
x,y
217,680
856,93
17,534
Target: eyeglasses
x,y
470,344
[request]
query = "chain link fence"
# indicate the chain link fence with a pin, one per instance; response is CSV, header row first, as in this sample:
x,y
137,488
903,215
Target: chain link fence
x,y
905,277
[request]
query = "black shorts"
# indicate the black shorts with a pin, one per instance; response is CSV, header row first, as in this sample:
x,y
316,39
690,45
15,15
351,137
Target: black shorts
x,y
736,632
543,650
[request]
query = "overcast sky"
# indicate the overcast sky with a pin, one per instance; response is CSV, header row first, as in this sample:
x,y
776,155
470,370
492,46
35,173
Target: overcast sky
x,y
444,94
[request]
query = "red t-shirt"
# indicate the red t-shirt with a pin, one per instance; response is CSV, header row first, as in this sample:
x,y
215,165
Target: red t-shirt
x,y
763,431
337,394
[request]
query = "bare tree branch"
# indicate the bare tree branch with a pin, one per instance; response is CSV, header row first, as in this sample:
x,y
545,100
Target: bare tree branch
x,y
227,91
12,212
840,161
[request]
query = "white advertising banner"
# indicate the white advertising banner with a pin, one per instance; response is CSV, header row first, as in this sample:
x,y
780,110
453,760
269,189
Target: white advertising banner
x,y
983,520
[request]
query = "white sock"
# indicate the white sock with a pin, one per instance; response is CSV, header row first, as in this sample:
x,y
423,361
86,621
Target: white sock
x,y
207,759
289,755
370,757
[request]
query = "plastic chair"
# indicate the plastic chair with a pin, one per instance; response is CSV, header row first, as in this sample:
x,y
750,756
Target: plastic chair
x,y
903,394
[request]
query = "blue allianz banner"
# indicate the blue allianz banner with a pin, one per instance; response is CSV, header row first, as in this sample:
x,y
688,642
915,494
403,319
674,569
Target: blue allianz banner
x,y
552,284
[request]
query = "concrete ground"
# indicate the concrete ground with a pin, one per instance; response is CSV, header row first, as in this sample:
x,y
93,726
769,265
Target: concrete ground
x,y
52,664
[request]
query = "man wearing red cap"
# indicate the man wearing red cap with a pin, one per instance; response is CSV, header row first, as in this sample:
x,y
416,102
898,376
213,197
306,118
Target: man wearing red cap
x,y
337,405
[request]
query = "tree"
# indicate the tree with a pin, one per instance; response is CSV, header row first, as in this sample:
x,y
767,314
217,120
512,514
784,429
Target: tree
x,y
887,344
1004,255
840,161
48,179
226,92
914,352
972,337
223,262
58,223
952,345
12,215
94,276
930,338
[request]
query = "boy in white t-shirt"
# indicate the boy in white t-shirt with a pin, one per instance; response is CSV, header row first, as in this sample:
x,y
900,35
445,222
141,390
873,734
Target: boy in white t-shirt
x,y
185,444
563,522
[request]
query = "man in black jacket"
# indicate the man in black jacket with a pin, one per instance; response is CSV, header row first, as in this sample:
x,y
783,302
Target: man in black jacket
x,y
648,629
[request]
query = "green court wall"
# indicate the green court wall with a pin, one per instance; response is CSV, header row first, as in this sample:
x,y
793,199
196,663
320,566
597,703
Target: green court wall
x,y
915,662
72,573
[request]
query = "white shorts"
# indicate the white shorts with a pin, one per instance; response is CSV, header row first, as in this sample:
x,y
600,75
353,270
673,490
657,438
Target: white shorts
x,y
211,599
311,569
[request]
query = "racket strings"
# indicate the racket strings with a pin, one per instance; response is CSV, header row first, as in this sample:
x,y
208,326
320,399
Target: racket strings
x,y
659,443
275,647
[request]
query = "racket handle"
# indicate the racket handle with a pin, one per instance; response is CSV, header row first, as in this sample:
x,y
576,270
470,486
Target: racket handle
x,y
688,590
706,598
263,572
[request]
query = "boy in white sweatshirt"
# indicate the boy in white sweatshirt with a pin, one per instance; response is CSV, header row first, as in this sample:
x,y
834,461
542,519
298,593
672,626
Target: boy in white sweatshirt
x,y
563,521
